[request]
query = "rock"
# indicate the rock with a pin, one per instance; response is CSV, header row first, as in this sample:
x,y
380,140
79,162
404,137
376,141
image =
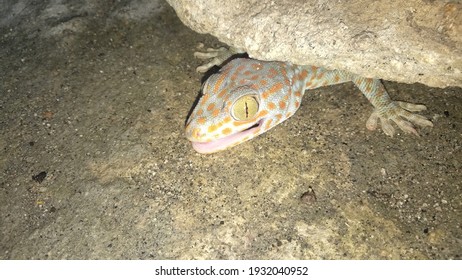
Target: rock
x,y
406,41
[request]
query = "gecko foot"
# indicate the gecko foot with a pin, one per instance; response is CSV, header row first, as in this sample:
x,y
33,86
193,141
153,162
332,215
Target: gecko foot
x,y
401,114
217,56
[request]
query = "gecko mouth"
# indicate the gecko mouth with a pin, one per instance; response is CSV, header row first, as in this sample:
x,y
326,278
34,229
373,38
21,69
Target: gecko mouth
x,y
227,141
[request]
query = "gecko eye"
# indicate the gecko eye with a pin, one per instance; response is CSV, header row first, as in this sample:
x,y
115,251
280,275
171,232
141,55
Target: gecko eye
x,y
245,108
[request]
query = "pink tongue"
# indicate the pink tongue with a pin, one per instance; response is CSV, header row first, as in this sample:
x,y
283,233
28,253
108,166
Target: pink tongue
x,y
223,143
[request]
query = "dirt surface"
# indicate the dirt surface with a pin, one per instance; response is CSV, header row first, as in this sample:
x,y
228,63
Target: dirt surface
x,y
94,163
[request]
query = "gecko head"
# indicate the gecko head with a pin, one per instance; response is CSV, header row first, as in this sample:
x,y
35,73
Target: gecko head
x,y
225,118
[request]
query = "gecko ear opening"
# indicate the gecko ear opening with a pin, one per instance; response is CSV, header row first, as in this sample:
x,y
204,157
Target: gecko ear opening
x,y
245,108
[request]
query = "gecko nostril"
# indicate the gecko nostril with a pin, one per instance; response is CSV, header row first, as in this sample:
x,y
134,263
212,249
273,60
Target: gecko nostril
x,y
197,133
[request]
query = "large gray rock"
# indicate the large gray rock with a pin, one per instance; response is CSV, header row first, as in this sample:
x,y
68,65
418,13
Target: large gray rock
x,y
407,41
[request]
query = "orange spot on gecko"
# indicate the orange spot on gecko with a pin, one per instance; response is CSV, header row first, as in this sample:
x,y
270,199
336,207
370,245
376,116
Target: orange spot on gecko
x,y
271,106
227,119
211,106
215,113
226,131
302,75
272,73
262,113
298,93
282,104
320,75
336,78
275,88
199,112
212,128
222,93
240,68
268,124
254,77
297,104
202,120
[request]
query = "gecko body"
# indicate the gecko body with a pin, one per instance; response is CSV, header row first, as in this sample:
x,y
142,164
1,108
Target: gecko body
x,y
248,97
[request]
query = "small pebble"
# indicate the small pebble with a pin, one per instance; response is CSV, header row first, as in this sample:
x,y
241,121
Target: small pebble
x,y
308,197
39,177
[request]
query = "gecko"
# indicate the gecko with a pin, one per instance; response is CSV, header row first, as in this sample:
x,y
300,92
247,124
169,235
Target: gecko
x,y
248,97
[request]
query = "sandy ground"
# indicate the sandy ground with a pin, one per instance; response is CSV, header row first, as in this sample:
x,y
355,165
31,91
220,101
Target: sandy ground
x,y
94,162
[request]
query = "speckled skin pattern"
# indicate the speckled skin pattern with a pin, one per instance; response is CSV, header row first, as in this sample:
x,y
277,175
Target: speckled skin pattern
x,y
276,90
